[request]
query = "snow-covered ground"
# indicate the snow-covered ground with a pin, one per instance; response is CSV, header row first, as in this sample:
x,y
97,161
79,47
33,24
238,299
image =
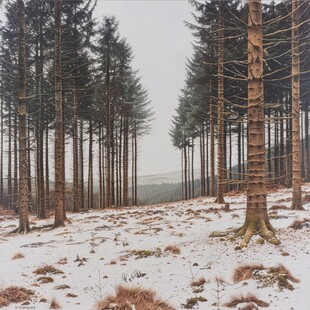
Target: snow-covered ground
x,y
111,239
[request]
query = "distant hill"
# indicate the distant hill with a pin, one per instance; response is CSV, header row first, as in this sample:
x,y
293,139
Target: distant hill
x,y
172,177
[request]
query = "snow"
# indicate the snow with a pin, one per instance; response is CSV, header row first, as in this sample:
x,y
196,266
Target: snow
x,y
114,234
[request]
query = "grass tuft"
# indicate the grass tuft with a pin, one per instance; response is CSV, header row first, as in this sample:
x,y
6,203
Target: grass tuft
x,y
199,282
193,302
48,269
245,272
14,294
250,298
128,298
173,249
44,280
54,304
18,256
299,224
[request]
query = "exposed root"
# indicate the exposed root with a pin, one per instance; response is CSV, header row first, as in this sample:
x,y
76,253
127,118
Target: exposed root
x,y
248,230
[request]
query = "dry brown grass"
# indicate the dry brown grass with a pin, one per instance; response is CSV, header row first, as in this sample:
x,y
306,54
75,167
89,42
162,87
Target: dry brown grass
x,y
47,269
173,249
14,294
245,272
281,276
18,256
54,304
62,261
62,287
250,298
199,282
127,297
44,280
298,224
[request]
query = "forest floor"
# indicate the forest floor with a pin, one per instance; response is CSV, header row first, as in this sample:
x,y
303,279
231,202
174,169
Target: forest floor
x,y
127,246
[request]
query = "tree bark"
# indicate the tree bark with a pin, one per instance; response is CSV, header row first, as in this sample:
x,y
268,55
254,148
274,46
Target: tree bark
x,y
24,226
256,221
220,116
59,146
296,176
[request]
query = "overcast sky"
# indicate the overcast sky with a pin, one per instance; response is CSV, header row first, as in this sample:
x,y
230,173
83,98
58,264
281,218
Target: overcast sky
x,y
161,43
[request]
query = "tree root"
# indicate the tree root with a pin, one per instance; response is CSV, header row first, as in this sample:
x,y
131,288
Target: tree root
x,y
248,230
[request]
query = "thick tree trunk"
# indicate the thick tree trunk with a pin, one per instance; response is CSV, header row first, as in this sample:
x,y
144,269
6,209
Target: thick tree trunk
x,y
220,116
22,111
296,176
256,221
59,146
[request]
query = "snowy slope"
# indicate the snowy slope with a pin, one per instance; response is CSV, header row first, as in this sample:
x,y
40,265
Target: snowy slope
x,y
116,235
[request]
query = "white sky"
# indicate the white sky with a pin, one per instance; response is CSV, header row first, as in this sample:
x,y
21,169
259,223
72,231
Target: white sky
x,y
161,43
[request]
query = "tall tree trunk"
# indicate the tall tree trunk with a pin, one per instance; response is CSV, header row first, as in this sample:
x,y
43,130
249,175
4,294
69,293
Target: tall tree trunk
x,y
256,221
90,197
100,168
269,171
10,157
22,111
59,146
40,130
193,176
120,160
207,161
189,172
212,154
282,166
76,194
81,165
288,179
239,156
230,159
1,145
202,161
307,159
47,169
296,176
15,197
220,116
125,161
136,164
185,173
